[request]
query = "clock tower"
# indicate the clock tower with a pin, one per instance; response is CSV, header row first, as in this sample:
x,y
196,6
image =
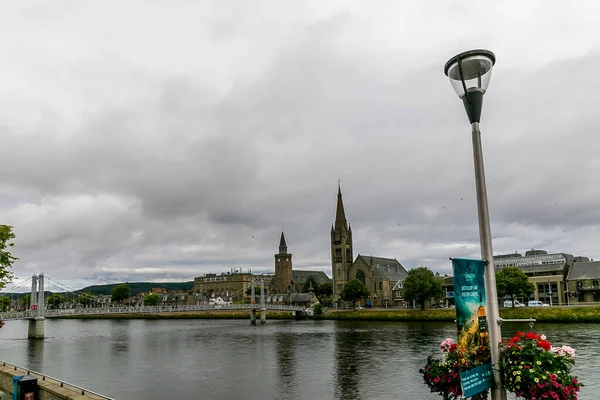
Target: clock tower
x,y
283,269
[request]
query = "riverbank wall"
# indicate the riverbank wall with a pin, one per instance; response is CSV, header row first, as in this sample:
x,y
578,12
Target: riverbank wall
x,y
589,314
48,388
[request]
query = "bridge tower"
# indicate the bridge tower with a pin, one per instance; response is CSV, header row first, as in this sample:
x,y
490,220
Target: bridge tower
x,y
38,306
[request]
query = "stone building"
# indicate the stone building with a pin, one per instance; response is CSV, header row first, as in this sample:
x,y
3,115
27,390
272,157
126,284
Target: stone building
x,y
380,275
583,285
282,280
287,280
233,284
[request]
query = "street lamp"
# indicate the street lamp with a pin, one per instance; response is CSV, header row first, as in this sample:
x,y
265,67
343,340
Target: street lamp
x,y
470,73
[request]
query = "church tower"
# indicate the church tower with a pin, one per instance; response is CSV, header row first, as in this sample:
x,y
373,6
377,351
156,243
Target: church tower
x,y
341,247
283,269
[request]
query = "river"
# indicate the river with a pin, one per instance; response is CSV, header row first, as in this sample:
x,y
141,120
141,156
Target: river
x,y
232,359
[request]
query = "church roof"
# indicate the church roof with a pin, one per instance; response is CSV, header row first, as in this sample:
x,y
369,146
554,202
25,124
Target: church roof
x,y
385,268
300,277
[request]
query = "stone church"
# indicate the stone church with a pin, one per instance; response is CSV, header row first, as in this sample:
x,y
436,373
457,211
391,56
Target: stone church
x,y
382,276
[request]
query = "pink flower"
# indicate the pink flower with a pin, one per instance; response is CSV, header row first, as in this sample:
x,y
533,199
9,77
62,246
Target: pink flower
x,y
553,377
436,379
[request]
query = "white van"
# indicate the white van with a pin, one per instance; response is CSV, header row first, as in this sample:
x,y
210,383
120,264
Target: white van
x,y
537,303
508,303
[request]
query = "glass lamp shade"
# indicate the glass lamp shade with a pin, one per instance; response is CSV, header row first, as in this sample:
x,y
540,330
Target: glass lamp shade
x,y
470,71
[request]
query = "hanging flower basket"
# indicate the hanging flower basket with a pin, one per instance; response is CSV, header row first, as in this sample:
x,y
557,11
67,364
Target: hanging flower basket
x,y
533,369
441,375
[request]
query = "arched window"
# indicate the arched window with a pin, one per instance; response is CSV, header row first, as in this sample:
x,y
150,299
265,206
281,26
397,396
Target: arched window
x,y
360,275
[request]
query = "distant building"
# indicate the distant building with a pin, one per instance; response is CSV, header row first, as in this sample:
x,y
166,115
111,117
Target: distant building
x,y
584,282
380,275
287,280
282,280
232,284
547,272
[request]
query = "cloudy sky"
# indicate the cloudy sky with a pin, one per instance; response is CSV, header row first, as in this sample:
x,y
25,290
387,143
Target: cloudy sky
x,y
159,140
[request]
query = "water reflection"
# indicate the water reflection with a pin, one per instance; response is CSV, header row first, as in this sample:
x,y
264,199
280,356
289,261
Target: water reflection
x,y
353,342
286,363
35,354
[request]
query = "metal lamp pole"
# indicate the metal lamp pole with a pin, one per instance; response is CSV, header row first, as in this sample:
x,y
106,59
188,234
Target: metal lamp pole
x,y
469,73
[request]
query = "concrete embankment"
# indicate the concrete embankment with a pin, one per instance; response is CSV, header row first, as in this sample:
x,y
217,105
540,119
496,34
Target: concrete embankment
x,y
562,314
48,388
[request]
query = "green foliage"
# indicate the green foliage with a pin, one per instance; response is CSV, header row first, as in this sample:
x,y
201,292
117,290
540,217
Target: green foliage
x,y
120,293
421,285
151,299
6,258
26,301
318,309
322,292
513,282
442,375
354,291
326,290
534,369
139,287
256,290
85,298
55,299
5,303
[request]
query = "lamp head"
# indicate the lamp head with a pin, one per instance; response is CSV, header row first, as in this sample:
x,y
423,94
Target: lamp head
x,y
470,71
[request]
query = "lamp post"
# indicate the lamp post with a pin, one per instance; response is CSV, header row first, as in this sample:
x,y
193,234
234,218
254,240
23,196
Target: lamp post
x,y
470,73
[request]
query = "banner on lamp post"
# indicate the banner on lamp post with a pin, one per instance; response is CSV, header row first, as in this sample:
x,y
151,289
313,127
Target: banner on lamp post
x,y
473,342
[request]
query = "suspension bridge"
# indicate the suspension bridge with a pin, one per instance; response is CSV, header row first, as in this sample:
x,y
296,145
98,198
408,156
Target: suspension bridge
x,y
40,308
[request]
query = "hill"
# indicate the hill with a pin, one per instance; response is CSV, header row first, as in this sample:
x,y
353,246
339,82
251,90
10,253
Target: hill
x,y
137,287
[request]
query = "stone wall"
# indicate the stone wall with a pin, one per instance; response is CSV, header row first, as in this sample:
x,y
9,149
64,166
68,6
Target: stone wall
x,y
49,389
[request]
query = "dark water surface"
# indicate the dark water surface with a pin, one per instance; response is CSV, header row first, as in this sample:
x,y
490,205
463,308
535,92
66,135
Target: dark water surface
x,y
231,359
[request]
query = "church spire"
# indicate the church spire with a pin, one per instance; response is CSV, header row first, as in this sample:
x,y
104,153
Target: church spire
x,y
341,224
282,245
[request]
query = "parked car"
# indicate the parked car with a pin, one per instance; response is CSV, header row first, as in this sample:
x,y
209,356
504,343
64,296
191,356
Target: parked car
x,y
508,303
537,303
438,306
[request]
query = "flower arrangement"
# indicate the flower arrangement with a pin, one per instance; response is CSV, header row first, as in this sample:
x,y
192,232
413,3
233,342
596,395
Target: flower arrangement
x,y
441,375
533,369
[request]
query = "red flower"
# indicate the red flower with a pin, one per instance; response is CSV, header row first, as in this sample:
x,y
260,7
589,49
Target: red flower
x,y
544,344
531,336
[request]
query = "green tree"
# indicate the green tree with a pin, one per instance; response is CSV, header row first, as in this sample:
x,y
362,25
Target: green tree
x,y
26,300
120,292
151,299
6,258
256,290
421,285
85,298
5,303
354,291
513,282
55,299
322,291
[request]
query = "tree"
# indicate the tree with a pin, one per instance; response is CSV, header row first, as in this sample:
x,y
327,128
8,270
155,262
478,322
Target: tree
x,y
151,299
26,301
421,285
354,291
55,299
5,303
85,298
326,290
513,282
6,258
120,292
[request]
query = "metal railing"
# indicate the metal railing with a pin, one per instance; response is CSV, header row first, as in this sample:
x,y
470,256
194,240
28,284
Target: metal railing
x,y
145,309
60,382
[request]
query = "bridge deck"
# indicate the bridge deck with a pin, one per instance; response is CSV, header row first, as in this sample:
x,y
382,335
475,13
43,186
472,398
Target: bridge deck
x,y
57,313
